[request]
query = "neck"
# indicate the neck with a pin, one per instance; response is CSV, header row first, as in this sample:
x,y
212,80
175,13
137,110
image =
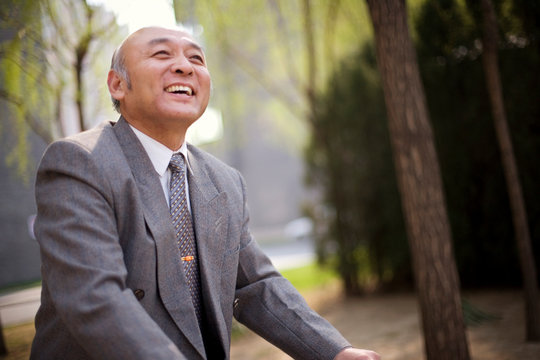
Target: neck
x,y
171,137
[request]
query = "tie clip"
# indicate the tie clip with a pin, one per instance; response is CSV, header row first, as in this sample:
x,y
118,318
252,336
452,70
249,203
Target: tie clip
x,y
188,258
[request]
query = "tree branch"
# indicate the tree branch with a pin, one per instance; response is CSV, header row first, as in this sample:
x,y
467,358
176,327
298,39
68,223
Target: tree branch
x,y
276,90
282,33
330,25
31,120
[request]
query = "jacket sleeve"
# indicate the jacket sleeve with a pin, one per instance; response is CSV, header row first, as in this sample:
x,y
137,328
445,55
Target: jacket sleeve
x,y
84,274
269,305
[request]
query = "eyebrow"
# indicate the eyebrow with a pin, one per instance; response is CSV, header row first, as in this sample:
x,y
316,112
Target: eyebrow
x,y
162,40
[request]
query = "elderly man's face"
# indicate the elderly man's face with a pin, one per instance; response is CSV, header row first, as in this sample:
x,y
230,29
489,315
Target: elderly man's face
x,y
169,77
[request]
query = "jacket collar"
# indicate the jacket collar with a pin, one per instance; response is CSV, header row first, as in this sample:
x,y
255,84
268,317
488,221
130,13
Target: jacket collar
x,y
156,213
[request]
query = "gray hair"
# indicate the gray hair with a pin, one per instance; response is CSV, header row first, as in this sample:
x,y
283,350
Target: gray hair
x,y
118,65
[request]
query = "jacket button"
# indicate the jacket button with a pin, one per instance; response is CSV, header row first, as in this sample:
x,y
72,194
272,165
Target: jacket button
x,y
139,294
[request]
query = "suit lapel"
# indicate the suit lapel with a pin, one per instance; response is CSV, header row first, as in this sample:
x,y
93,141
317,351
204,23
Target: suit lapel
x,y
172,283
210,221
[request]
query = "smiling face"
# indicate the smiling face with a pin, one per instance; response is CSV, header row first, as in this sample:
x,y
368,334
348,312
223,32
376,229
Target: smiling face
x,y
169,83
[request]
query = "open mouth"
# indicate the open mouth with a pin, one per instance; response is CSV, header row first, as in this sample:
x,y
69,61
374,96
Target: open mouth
x,y
179,89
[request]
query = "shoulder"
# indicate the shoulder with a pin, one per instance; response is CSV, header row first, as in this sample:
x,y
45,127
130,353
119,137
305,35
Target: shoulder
x,y
100,139
88,151
90,140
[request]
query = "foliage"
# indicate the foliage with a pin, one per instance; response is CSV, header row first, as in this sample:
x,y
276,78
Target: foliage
x,y
449,54
475,316
19,81
288,53
260,48
259,59
349,152
47,61
350,158
270,58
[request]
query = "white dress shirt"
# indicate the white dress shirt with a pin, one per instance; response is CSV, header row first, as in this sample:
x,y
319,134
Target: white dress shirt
x,y
160,155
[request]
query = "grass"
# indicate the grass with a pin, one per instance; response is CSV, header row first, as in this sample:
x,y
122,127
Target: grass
x,y
19,286
311,276
18,341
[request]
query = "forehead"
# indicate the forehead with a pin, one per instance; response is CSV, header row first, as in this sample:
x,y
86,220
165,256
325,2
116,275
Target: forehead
x,y
150,37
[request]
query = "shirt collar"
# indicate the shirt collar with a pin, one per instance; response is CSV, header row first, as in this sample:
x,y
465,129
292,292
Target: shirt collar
x,y
159,154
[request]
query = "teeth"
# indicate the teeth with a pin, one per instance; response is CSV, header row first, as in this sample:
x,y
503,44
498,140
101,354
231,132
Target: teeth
x,y
179,88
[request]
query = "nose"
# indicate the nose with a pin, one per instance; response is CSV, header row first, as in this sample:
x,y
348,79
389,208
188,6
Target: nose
x,y
182,66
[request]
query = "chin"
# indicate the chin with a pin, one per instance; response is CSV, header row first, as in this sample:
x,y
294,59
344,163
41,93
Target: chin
x,y
184,119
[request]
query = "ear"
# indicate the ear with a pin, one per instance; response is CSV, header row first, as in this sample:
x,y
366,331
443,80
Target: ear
x,y
116,85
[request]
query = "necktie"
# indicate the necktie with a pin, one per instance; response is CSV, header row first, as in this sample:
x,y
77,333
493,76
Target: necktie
x,y
185,238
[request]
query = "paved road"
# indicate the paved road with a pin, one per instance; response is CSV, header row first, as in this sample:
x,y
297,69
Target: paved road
x,y
290,254
21,306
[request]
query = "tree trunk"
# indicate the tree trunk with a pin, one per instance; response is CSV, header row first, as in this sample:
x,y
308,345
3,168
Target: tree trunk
x,y
79,92
420,184
517,204
311,54
81,52
3,347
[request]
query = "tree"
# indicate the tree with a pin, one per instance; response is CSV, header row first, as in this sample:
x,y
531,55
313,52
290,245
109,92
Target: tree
x,y
515,193
349,158
419,183
15,18
288,49
47,66
449,48
291,47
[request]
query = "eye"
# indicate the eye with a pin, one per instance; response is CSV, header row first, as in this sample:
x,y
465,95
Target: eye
x,y
197,58
161,53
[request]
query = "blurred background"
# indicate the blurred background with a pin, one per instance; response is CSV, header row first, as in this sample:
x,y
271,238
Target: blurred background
x,y
298,107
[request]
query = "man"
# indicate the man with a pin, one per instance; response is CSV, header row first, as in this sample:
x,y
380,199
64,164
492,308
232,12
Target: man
x,y
119,281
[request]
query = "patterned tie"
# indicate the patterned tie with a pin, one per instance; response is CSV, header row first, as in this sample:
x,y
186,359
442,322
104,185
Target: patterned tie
x,y
185,238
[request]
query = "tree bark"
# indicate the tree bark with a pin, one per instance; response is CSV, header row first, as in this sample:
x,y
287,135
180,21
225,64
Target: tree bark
x,y
515,194
420,184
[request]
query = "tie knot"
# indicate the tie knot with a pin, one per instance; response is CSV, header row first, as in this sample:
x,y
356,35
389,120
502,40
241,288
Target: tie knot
x,y
177,162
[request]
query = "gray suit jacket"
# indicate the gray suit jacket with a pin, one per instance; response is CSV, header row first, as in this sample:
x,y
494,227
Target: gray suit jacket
x,y
113,287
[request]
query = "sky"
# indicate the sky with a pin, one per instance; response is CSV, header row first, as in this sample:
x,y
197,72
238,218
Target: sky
x,y
140,13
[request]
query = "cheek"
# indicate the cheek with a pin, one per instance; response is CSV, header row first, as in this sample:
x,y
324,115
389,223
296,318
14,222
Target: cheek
x,y
204,78
206,84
